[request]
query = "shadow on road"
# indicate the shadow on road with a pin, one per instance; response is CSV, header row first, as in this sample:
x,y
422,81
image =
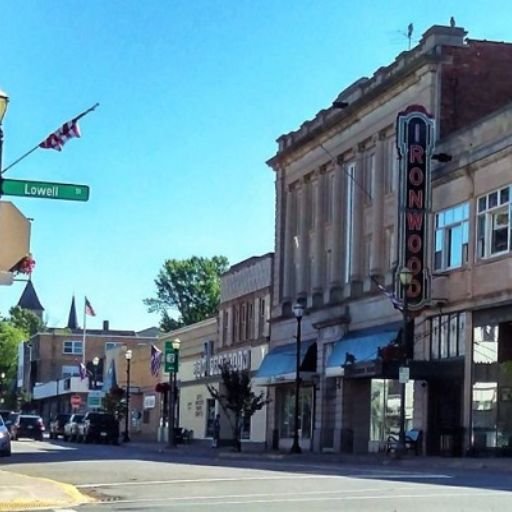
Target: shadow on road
x,y
418,470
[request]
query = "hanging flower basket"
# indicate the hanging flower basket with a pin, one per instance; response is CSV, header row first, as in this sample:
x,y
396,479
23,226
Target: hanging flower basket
x,y
25,265
162,387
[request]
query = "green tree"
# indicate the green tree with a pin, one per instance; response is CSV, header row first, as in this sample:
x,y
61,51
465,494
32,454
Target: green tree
x,y
26,320
188,290
10,338
114,403
236,398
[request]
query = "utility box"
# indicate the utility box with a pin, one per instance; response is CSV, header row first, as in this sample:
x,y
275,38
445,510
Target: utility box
x,y
14,236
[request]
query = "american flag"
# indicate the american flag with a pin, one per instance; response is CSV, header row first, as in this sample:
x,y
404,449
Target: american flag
x,y
58,138
88,308
156,360
397,304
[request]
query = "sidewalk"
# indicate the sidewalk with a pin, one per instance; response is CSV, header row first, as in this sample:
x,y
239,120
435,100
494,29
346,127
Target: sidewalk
x,y
411,461
20,492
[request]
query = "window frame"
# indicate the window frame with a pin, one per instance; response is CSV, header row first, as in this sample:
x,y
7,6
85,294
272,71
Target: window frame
x,y
73,351
486,214
446,227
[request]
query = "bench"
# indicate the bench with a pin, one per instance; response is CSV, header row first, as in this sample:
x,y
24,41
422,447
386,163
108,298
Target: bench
x,y
413,441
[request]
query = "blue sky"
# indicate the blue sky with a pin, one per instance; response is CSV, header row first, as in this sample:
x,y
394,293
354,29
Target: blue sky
x,y
193,94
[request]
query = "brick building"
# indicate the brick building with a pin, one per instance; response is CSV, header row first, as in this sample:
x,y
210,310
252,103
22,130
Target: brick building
x,y
337,236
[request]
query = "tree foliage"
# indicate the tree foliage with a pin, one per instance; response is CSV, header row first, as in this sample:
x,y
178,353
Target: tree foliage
x,y
236,398
26,320
114,402
188,290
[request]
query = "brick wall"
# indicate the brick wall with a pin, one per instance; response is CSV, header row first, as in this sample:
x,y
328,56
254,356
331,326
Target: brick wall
x,y
476,79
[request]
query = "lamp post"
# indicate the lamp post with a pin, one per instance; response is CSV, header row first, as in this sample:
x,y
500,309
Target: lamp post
x,y
126,436
95,363
172,355
4,100
298,311
405,276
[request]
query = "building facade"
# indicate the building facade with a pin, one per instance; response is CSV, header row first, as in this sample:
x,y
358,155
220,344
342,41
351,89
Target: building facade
x,y
337,243
54,359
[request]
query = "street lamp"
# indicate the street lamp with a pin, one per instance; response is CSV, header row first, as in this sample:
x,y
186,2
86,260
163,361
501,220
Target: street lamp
x,y
4,100
95,363
298,311
172,364
405,276
128,356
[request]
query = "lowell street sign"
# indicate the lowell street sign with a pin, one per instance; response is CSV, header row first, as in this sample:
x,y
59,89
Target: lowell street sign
x,y
44,189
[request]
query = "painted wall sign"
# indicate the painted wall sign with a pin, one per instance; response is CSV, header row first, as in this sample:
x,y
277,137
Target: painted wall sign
x,y
209,366
415,140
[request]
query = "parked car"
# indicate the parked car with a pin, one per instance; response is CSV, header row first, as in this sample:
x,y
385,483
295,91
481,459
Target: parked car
x,y
5,439
28,425
71,427
99,427
9,418
57,425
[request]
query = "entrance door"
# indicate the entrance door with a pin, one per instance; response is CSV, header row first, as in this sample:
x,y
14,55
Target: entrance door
x,y
444,418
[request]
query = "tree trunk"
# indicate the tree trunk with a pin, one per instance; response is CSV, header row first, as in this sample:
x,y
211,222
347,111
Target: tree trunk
x,y
237,445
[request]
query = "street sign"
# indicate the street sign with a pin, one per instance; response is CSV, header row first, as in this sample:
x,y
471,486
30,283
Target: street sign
x,y
171,358
14,234
403,375
45,189
76,401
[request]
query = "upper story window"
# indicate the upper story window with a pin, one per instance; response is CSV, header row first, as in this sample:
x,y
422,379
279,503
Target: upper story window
x,y
72,347
109,345
369,175
225,324
329,194
262,317
391,169
451,237
493,227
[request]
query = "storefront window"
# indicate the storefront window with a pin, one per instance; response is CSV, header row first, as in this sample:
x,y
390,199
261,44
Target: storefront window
x,y
286,404
492,387
385,408
484,414
210,416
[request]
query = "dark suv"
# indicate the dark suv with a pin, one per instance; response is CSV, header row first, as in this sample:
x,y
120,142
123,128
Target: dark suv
x,y
99,427
28,425
57,425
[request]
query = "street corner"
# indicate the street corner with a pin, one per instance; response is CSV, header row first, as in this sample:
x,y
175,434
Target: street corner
x,y
20,492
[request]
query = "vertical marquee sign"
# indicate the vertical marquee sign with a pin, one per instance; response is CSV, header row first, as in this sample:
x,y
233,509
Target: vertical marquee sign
x,y
415,142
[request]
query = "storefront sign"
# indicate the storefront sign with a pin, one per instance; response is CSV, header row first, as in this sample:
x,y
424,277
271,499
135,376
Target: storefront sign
x,y
415,143
403,374
210,366
149,401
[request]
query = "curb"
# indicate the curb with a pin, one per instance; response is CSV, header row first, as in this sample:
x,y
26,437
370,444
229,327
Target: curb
x,y
19,505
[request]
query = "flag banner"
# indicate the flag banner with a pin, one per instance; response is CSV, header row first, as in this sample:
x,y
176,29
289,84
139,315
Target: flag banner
x,y
83,371
58,138
397,303
156,360
89,310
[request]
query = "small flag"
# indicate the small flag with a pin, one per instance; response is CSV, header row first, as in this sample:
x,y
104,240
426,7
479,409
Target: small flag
x,y
397,304
58,138
88,308
156,360
83,371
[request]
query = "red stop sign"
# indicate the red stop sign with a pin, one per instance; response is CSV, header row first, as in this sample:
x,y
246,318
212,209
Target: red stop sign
x,y
76,400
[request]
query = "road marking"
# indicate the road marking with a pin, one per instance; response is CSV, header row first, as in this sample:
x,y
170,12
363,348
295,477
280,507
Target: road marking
x,y
249,499
384,475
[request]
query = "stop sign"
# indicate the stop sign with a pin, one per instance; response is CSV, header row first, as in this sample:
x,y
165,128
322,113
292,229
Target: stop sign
x,y
76,401
15,235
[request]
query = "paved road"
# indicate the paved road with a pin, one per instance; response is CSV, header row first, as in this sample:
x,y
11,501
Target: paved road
x,y
128,479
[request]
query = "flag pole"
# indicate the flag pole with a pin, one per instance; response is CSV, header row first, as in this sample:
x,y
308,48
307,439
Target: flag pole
x,y
83,337
22,157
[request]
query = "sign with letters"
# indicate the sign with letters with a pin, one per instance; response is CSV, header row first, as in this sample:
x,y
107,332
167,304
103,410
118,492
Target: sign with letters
x,y
210,366
415,140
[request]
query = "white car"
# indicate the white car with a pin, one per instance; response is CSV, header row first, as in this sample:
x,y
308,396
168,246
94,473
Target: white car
x,y
72,426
